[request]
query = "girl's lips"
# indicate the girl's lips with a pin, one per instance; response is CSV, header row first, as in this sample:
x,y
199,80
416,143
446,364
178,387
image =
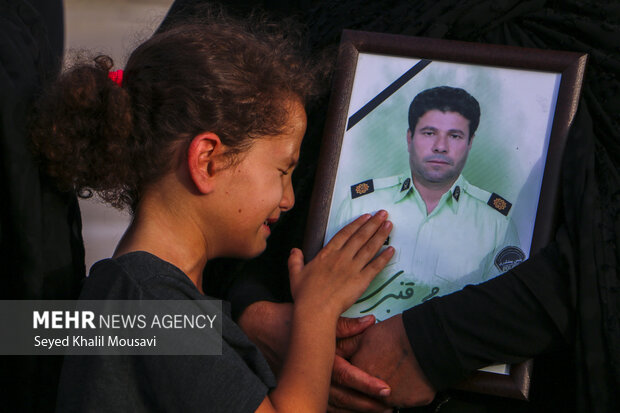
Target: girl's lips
x,y
266,228
268,223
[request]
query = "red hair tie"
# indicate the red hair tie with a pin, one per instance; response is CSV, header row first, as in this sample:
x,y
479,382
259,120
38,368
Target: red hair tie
x,y
116,77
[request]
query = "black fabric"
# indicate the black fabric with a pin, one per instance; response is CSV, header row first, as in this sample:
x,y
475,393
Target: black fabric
x,y
41,247
586,245
505,319
511,325
236,381
41,228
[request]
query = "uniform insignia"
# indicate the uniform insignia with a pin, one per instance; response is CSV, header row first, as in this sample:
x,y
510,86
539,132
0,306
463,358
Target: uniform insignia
x,y
362,188
509,258
457,193
406,185
499,204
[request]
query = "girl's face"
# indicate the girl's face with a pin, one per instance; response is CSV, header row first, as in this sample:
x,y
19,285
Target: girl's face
x,y
258,189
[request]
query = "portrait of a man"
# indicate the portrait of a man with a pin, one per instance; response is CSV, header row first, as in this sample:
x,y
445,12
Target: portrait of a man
x,y
447,232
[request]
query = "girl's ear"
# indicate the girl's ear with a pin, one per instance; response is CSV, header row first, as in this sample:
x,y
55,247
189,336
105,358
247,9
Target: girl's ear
x,y
204,152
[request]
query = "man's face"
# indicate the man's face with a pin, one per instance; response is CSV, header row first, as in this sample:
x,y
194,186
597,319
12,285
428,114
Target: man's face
x,y
438,148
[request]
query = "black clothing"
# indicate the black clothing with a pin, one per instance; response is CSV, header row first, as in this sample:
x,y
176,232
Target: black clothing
x,y
41,247
573,297
40,231
511,326
501,319
236,381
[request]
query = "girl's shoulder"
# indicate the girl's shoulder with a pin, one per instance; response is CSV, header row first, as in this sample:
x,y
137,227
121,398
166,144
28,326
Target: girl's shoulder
x,y
138,275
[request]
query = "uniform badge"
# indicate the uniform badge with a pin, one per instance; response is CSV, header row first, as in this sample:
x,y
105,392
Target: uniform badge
x,y
406,185
508,258
362,188
457,193
499,204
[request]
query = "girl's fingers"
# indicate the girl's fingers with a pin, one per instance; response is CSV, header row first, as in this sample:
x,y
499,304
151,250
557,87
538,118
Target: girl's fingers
x,y
341,238
372,269
358,240
372,246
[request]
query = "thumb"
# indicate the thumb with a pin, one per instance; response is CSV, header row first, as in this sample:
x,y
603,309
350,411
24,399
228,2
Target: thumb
x,y
295,262
346,374
295,265
348,327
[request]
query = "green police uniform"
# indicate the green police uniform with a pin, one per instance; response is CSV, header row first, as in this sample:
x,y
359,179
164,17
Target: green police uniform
x,y
468,238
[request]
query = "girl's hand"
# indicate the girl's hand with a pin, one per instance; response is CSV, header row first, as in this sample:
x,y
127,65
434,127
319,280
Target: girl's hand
x,y
342,270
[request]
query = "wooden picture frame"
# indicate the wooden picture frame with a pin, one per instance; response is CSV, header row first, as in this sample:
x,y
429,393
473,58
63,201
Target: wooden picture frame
x,y
529,97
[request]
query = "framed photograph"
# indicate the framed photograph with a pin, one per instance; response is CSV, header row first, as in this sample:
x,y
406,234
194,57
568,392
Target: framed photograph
x,y
461,143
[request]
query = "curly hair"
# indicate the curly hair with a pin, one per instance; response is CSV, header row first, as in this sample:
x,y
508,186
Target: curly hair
x,y
445,99
232,78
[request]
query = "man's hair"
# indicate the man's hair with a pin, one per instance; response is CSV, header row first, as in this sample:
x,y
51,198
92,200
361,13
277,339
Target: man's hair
x,y
445,99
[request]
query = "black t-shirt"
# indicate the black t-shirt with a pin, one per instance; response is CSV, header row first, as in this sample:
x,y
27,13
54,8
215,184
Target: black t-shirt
x,y
236,381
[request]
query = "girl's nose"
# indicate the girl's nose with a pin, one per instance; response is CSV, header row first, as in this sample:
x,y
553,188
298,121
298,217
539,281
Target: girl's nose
x,y
288,197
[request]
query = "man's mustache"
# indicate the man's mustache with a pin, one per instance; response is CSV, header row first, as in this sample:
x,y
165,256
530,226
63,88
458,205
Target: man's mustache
x,y
440,158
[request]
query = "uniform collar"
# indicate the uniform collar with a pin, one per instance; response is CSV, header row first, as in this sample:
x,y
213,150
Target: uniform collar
x,y
404,187
450,198
455,194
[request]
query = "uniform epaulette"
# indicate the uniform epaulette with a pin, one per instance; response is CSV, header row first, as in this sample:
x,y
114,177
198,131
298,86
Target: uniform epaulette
x,y
371,185
362,188
493,200
499,204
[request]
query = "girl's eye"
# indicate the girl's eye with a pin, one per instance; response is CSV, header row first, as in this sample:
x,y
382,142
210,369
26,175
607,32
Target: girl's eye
x,y
284,172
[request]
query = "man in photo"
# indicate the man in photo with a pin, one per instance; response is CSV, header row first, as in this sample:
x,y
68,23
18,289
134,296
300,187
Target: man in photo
x,y
447,232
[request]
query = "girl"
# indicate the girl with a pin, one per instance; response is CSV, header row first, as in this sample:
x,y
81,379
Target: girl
x,y
199,141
